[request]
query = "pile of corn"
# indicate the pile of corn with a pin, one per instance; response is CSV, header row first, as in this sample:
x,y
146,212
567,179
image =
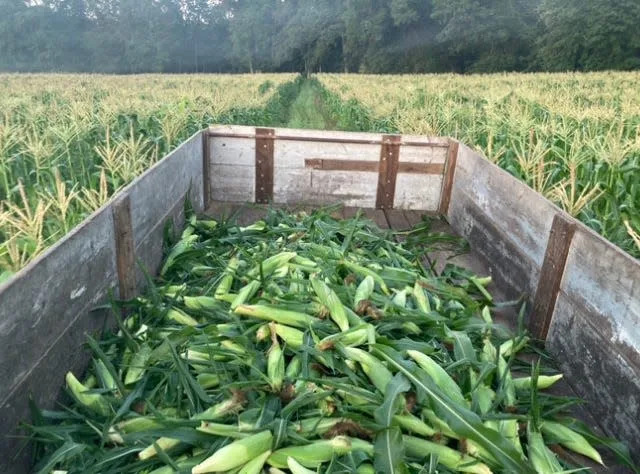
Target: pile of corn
x,y
307,344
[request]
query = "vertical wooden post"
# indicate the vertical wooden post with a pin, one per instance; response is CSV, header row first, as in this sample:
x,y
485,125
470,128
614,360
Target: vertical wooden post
x,y
447,179
206,170
388,171
125,251
265,138
555,259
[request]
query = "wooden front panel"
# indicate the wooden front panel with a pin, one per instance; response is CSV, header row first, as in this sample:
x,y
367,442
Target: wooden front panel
x,y
318,167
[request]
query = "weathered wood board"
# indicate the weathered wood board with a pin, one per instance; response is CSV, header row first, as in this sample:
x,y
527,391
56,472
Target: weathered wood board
x,y
47,309
595,332
45,312
503,219
296,180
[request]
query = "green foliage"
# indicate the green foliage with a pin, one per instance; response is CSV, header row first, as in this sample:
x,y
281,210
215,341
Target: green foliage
x,y
132,36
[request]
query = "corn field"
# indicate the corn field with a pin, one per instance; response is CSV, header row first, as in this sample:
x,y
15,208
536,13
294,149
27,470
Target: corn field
x,y
575,138
69,142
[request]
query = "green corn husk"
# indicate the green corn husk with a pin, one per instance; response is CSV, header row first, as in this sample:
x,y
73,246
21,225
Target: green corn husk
x,y
185,244
282,316
296,468
365,272
413,424
356,336
542,458
293,338
364,291
92,401
293,368
227,280
166,444
366,469
271,264
236,454
544,381
313,454
224,408
329,298
314,426
138,365
440,376
184,463
246,293
422,301
420,448
200,302
181,317
224,431
106,379
570,439
379,375
275,366
208,380
132,425
256,464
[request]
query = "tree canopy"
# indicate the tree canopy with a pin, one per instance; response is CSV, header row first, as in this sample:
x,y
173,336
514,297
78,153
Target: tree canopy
x,y
132,36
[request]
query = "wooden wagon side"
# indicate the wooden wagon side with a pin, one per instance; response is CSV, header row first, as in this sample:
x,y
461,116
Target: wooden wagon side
x,y
584,291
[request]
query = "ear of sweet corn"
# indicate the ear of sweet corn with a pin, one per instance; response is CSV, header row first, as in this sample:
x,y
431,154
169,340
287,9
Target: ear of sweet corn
x,y
413,424
542,458
448,457
256,464
379,375
440,376
227,279
570,440
138,364
364,291
200,302
236,454
422,301
329,298
166,444
313,454
275,365
219,429
544,381
180,317
92,401
296,468
271,264
294,338
282,316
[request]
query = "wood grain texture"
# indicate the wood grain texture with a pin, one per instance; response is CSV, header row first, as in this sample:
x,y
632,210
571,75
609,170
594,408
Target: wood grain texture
x,y
555,259
447,183
328,164
125,251
388,171
264,165
206,170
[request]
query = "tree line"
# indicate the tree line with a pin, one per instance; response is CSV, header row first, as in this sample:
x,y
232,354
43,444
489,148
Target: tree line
x,y
375,36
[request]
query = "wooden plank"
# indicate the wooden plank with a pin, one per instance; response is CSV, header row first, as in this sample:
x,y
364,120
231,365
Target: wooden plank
x,y
413,217
295,138
397,220
555,259
125,251
388,171
447,183
264,165
206,170
363,165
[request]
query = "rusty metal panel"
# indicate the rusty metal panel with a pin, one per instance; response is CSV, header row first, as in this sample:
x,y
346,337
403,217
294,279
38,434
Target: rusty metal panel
x,y
388,171
264,165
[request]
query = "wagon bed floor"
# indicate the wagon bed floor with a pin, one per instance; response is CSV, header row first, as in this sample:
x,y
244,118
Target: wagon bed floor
x,y
399,220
